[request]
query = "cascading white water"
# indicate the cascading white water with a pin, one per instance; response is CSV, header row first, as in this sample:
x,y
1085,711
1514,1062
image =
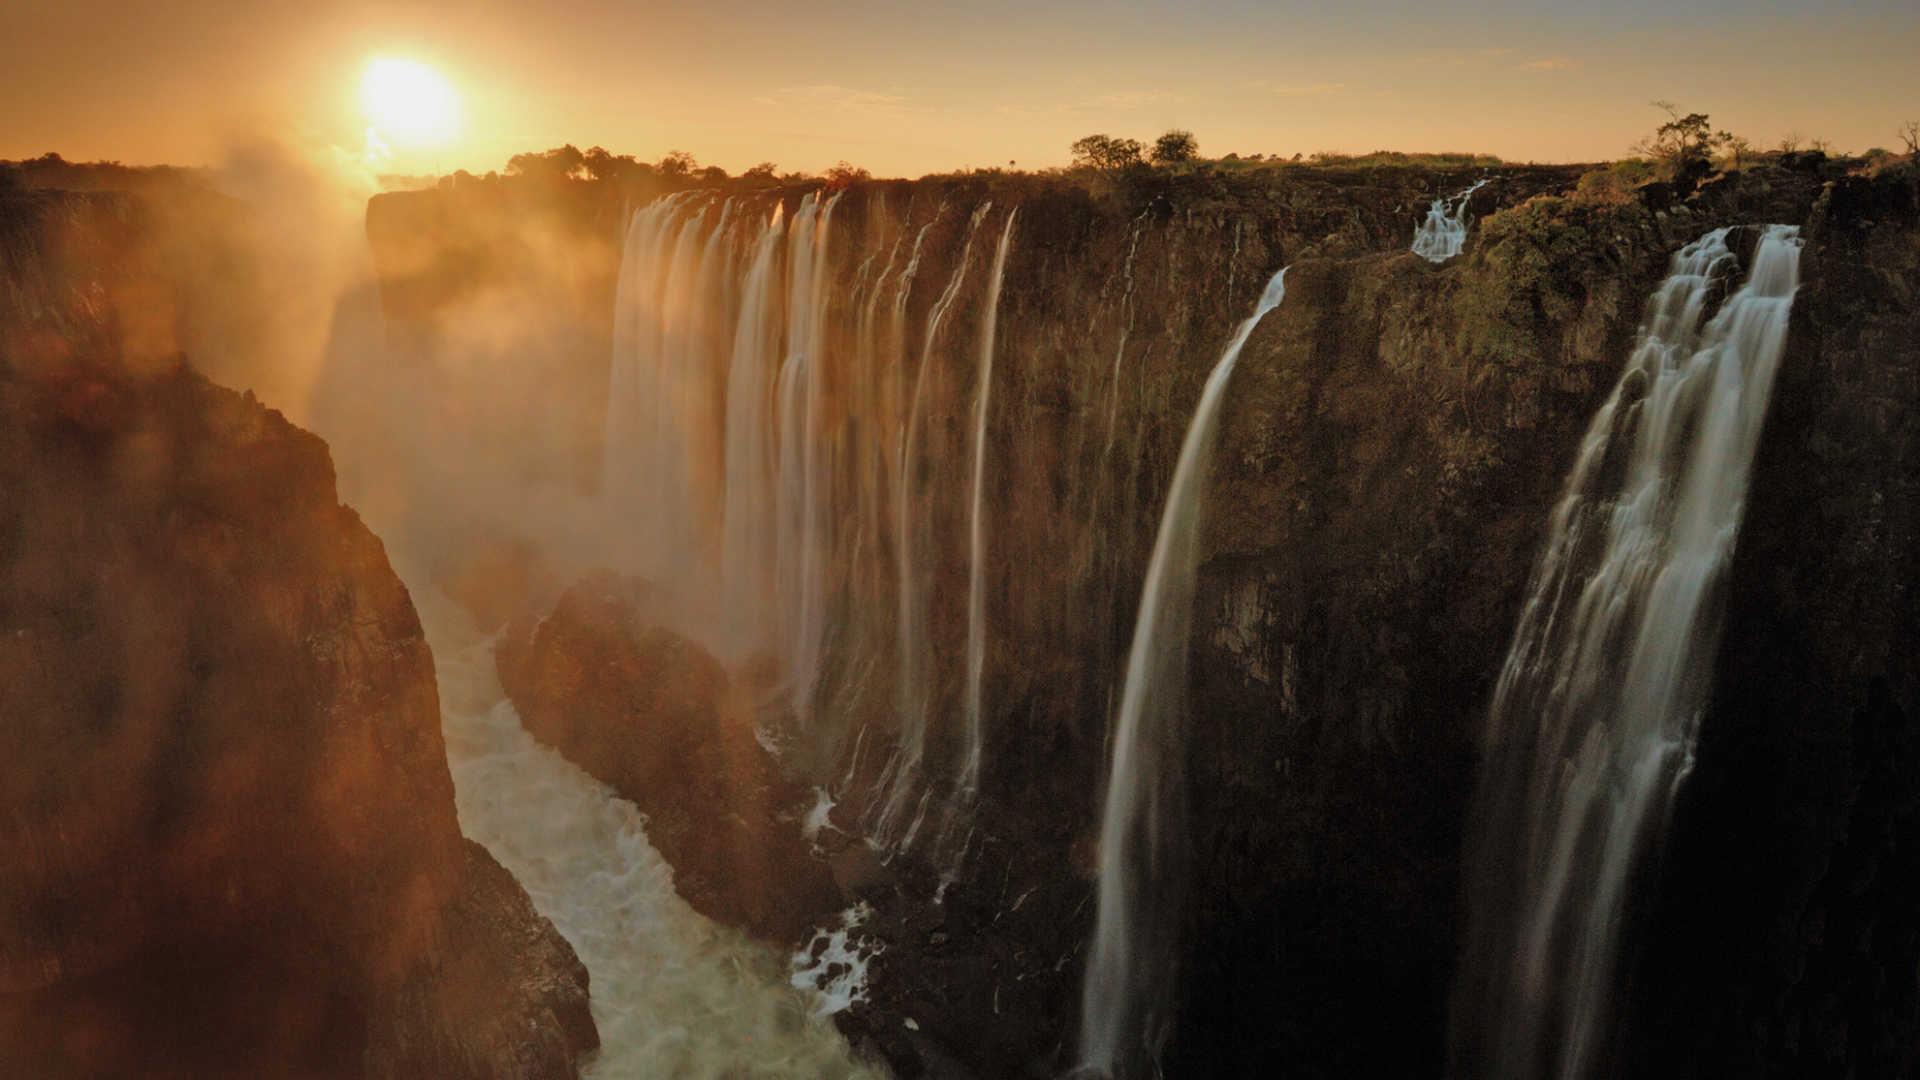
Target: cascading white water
x,y
746,558
1441,236
904,772
969,782
1594,717
674,994
802,535
682,471
1123,1010
634,476
766,468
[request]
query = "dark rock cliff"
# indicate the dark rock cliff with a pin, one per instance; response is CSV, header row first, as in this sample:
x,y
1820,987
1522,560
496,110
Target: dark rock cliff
x,y
1391,444
653,716
228,819
1785,928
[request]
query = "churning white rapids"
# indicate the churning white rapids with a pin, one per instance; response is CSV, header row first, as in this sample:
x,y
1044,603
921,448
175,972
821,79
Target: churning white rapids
x,y
674,994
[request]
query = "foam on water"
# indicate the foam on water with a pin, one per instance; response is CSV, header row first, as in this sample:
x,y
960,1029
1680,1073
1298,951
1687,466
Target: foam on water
x,y
832,968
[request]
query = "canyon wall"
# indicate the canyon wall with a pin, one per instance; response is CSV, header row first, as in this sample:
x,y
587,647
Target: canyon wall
x,y
1392,441
229,824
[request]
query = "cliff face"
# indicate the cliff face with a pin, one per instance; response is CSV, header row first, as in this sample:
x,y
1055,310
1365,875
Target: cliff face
x,y
1391,444
1783,936
229,823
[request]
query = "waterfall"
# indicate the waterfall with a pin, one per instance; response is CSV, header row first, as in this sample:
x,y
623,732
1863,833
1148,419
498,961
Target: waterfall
x,y
645,456
1124,1018
905,770
1441,236
801,534
746,560
977,574
1593,720
772,429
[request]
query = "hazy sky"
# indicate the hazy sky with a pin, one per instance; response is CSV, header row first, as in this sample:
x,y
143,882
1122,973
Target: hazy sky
x,y
905,88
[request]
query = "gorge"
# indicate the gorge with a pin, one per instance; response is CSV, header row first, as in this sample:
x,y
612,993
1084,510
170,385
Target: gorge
x,y
818,524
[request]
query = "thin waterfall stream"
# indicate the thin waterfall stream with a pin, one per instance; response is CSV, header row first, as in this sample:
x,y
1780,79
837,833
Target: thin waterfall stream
x,y
1124,1017
969,783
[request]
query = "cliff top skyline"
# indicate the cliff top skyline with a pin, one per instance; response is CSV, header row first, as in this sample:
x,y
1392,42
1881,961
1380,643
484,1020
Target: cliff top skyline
x,y
905,89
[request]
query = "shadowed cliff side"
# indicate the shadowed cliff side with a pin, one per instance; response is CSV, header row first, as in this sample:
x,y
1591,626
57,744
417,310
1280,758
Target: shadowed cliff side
x,y
229,824
1392,444
1785,928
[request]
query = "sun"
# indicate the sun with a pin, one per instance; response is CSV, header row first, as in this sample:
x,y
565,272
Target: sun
x,y
409,103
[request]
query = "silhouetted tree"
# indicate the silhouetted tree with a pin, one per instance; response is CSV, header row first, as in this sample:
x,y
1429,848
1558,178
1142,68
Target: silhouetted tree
x,y
843,174
555,164
1105,153
762,172
1684,144
602,165
1910,134
1175,146
677,163
713,174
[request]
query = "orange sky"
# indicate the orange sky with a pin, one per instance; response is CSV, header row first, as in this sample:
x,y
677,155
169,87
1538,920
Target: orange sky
x,y
907,88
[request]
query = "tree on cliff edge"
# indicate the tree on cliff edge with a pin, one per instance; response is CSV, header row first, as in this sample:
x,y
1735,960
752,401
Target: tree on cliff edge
x,y
1684,145
1105,153
1175,146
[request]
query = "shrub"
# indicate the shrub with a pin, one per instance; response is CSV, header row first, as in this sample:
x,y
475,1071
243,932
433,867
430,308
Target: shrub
x,y
1614,182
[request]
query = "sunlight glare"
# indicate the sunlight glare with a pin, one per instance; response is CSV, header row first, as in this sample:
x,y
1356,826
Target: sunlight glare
x,y
409,103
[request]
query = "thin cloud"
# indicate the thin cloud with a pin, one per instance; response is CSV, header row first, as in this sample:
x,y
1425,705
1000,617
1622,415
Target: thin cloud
x,y
1310,89
1554,63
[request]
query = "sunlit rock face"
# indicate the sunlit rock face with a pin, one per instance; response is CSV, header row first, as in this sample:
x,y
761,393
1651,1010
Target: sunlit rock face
x,y
229,830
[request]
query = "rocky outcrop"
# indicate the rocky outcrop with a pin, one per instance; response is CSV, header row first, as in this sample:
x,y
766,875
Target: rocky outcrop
x,y
228,819
654,717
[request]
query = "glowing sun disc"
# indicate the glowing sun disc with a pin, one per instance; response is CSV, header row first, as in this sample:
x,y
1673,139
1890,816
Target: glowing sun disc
x,y
410,103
